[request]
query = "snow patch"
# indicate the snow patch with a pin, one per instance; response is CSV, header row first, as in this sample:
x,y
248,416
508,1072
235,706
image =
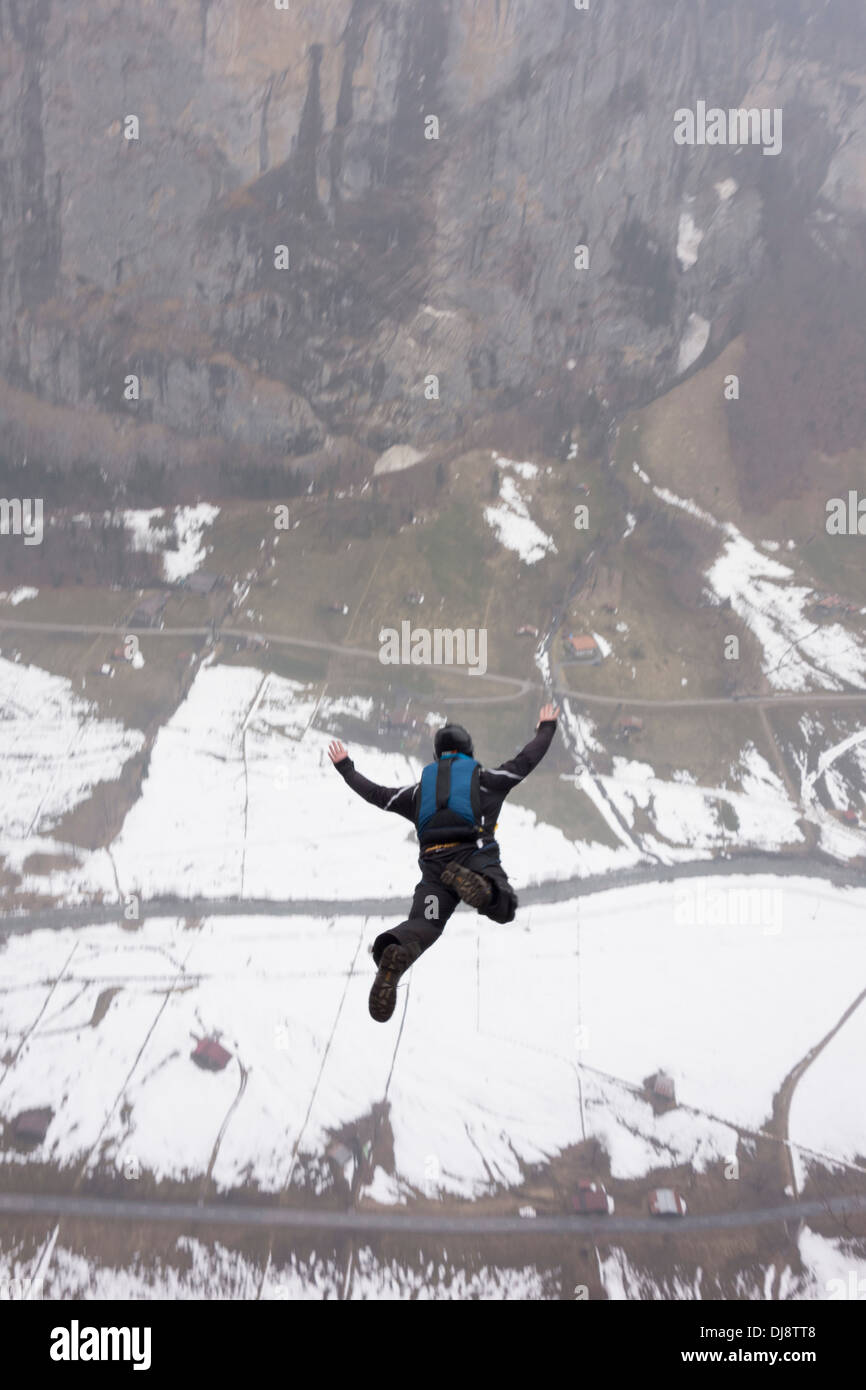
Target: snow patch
x,y
693,341
19,595
689,238
396,459
514,526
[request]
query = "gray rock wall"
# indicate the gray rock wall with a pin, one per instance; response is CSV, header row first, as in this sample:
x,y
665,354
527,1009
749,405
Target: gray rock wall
x,y
407,256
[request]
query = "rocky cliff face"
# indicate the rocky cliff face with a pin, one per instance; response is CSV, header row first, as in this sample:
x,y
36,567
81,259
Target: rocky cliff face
x,y
408,256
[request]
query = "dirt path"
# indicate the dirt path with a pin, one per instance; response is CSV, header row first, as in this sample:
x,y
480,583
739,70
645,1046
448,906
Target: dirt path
x,y
782,1101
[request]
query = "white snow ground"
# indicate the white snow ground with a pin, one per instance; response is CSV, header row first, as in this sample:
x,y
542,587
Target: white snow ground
x,y
54,749
831,1271
468,1103
180,536
19,595
689,238
611,988
193,1270
827,1107
837,838
688,815
510,517
693,341
239,787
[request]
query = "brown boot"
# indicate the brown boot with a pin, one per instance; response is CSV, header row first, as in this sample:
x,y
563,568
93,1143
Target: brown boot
x,y
473,888
394,962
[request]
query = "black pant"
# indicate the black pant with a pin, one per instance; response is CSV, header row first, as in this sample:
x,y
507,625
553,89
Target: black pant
x,y
433,902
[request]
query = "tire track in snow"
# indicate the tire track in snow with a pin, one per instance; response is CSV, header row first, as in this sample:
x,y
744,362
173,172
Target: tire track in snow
x,y
826,761
296,1147
377,1122
82,1172
17,1053
257,698
222,1129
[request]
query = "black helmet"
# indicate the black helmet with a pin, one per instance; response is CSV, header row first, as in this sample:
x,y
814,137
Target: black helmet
x,y
452,739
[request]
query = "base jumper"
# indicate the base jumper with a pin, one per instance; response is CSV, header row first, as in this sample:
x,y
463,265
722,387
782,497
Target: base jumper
x,y
455,808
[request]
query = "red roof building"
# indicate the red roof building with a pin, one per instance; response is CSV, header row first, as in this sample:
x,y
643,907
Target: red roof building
x,y
211,1055
665,1202
31,1126
583,647
663,1085
592,1197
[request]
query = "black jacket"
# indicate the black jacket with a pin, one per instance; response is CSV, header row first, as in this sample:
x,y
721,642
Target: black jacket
x,y
494,786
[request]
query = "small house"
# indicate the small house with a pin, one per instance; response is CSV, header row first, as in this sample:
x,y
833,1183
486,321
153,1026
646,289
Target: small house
x,y
591,1198
663,1201
582,648
663,1086
211,1055
398,721
148,611
415,597
831,605
31,1126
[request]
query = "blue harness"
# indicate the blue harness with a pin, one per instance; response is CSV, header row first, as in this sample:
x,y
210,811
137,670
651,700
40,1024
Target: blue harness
x,y
449,798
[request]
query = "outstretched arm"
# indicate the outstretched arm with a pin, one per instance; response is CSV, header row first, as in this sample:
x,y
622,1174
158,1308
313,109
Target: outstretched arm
x,y
400,800
509,773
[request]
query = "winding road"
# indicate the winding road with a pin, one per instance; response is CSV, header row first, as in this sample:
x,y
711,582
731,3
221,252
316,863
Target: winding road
x,y
521,686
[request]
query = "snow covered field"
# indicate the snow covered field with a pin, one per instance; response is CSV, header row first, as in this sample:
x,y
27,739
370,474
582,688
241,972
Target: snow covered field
x,y
516,1042
821,767
685,814
239,791
553,1023
830,1272
54,749
687,819
191,1269
828,1106
194,1270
